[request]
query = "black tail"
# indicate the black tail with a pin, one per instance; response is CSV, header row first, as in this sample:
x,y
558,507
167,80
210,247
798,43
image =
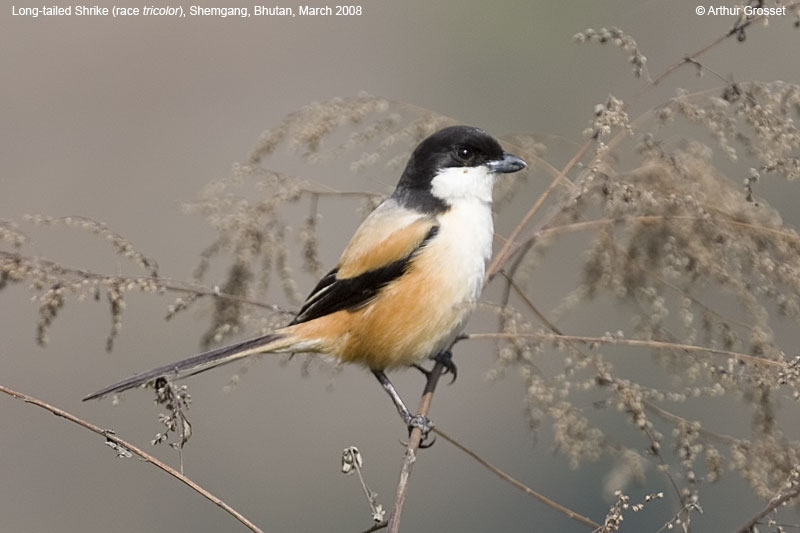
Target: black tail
x,y
198,363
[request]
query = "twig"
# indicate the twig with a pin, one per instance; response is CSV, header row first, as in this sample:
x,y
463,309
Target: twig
x,y
414,440
509,247
376,527
737,29
781,498
647,219
633,342
524,488
552,327
123,446
677,419
158,283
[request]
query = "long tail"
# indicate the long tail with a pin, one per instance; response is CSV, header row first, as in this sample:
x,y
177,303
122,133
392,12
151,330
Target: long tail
x,y
279,341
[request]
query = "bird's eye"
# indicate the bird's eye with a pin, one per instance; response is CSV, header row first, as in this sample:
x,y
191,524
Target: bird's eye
x,y
465,154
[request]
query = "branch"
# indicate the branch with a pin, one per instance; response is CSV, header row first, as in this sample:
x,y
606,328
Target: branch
x,y
552,327
376,527
632,342
123,447
669,416
737,29
157,283
410,458
791,491
788,234
524,488
510,246
414,440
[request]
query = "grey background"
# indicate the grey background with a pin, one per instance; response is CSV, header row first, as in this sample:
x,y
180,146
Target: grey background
x,y
122,120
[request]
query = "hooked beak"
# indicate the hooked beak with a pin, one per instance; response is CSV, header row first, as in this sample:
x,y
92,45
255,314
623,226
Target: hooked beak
x,y
506,164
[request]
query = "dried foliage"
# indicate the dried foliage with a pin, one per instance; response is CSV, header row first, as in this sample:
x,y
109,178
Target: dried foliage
x,y
176,399
54,282
620,39
699,268
679,259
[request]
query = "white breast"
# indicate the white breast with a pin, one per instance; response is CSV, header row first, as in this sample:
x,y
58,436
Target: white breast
x,y
465,242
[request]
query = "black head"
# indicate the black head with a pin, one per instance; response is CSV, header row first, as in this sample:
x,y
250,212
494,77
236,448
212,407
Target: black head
x,y
450,148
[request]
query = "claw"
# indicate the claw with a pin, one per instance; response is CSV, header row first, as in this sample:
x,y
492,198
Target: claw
x,y
424,445
446,358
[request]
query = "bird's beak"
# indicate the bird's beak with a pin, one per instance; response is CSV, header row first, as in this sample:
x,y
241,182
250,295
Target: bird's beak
x,y
506,164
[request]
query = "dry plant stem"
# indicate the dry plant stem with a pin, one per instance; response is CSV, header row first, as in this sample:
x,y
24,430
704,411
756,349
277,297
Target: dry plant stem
x,y
410,457
579,226
552,327
111,437
634,342
513,285
162,284
592,224
773,504
376,527
691,58
524,488
676,419
510,247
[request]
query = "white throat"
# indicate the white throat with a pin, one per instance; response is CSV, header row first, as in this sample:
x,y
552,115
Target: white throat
x,y
463,183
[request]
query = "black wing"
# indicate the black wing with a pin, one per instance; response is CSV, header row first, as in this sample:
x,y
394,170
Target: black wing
x,y
335,294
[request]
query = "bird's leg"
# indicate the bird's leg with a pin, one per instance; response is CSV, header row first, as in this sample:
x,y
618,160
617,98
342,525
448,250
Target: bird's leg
x,y
412,421
422,369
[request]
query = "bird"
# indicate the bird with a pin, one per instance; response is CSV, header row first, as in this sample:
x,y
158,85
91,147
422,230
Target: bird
x,y
406,283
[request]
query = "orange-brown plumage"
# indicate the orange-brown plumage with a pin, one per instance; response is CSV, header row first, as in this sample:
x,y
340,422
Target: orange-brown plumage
x,y
401,326
380,240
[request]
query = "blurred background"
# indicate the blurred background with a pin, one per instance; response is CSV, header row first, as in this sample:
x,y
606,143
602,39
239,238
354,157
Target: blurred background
x,y
123,120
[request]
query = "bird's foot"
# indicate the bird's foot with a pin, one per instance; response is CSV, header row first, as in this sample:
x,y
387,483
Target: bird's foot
x,y
424,424
446,359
